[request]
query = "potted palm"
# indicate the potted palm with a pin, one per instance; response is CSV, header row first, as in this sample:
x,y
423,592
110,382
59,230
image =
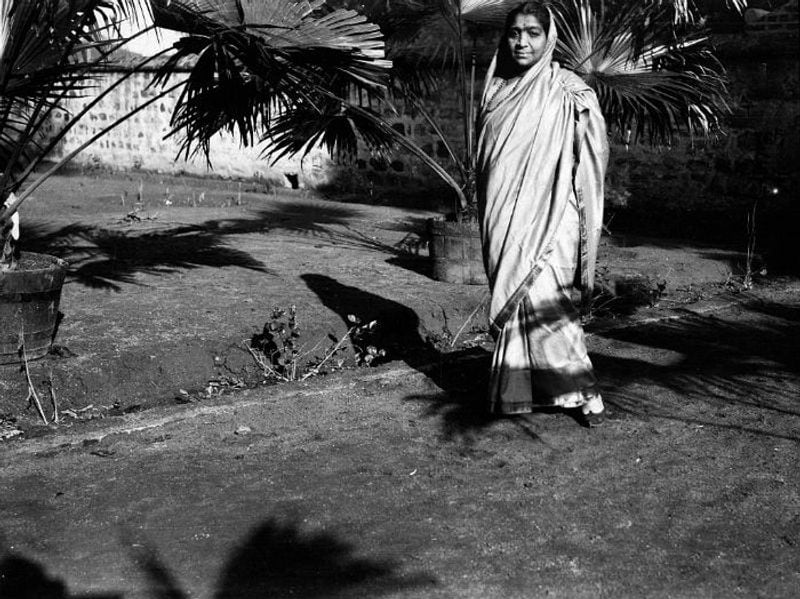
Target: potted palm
x,y
650,63
283,52
47,50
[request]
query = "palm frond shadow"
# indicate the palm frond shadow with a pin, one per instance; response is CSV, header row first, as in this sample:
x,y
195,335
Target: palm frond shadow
x,y
161,581
337,225
278,559
105,258
22,578
729,374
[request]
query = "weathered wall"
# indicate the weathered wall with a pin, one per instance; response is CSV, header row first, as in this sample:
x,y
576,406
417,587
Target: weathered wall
x,y
704,190
760,148
139,142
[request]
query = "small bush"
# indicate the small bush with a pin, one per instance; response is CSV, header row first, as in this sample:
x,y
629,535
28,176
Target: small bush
x,y
278,350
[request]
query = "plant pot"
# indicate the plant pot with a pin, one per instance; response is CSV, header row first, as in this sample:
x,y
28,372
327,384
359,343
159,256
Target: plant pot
x,y
29,297
456,252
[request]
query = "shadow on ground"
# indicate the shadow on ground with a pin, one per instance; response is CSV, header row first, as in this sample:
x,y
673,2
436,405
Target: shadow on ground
x,y
277,559
105,256
713,365
461,375
723,367
22,578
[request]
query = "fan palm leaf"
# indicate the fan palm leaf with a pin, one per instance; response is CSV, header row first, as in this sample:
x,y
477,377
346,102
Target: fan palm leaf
x,y
45,57
653,85
254,61
48,50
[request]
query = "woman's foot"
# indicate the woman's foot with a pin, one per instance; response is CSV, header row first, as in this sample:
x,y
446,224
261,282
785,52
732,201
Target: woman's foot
x,y
593,412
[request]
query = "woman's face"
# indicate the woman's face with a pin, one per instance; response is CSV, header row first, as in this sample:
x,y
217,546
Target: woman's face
x,y
526,39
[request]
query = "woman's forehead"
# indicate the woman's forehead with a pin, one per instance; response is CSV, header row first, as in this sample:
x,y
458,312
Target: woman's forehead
x,y
522,21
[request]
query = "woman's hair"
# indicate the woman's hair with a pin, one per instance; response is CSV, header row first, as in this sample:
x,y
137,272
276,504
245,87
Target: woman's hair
x,y
537,8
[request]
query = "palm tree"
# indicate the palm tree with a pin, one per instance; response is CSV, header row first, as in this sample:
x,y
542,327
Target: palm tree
x,y
253,61
292,77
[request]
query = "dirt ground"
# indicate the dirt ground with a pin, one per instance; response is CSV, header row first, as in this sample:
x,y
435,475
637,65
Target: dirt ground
x,y
387,481
170,276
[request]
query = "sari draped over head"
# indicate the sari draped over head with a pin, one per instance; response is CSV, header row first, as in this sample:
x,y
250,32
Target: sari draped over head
x,y
542,154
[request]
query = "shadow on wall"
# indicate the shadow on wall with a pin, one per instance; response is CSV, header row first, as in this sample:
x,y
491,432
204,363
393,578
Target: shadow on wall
x,y
277,559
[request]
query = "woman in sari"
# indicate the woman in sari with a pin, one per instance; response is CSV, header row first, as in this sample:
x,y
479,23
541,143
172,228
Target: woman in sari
x,y
542,154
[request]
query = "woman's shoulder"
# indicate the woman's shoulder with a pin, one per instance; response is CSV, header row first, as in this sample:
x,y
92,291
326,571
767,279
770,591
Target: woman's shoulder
x,y
574,85
572,82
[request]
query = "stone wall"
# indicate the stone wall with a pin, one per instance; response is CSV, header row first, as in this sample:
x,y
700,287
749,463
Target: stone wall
x,y
139,143
698,189
703,189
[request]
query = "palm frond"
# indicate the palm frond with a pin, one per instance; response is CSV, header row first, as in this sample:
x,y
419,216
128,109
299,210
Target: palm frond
x,y
684,11
48,49
338,129
341,129
487,12
254,63
648,80
493,12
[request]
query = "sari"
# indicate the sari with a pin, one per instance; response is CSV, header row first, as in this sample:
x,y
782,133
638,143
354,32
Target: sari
x,y
542,155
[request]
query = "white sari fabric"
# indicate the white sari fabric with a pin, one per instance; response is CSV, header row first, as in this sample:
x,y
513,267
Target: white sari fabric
x,y
542,154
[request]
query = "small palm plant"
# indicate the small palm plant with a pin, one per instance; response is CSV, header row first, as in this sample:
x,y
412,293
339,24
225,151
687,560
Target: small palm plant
x,y
47,51
252,61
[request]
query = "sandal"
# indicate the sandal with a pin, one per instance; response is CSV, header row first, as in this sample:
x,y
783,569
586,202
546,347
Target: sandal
x,y
593,417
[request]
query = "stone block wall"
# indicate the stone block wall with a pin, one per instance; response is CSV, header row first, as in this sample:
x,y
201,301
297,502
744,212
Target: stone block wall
x,y
140,143
704,189
759,149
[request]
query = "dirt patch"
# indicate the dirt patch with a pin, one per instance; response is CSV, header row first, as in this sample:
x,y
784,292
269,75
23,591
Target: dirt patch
x,y
392,481
171,276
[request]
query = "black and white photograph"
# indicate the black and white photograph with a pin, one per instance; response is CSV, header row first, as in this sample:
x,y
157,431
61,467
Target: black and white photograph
x,y
399,299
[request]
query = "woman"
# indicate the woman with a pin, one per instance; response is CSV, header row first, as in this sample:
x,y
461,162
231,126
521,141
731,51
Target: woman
x,y
542,154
